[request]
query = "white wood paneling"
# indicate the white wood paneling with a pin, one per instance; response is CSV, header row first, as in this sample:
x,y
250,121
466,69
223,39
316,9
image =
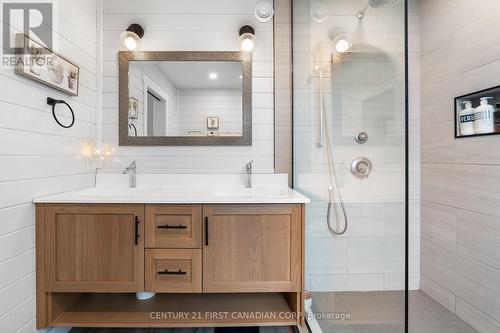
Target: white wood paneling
x,y
40,158
191,25
17,293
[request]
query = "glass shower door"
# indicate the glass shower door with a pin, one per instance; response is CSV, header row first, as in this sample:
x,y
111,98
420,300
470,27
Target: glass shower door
x,y
349,158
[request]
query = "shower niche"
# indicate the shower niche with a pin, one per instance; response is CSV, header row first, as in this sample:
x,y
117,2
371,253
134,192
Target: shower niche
x,y
478,113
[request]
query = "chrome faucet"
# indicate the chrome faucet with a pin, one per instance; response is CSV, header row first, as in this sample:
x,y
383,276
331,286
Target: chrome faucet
x,y
249,171
131,171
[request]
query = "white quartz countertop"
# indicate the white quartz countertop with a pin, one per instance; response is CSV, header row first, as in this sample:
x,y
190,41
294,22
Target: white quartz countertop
x,y
182,189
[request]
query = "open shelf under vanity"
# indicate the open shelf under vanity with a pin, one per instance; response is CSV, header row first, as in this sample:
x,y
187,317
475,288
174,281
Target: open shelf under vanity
x,y
173,310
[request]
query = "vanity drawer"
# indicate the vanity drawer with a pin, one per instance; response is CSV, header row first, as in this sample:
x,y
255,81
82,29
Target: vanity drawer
x,y
173,227
173,271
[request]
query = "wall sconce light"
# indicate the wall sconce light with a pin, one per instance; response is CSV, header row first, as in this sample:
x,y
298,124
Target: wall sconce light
x,y
247,37
132,36
342,45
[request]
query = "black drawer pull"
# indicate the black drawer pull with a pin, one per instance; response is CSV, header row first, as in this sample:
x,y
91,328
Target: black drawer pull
x,y
167,226
137,230
206,230
167,272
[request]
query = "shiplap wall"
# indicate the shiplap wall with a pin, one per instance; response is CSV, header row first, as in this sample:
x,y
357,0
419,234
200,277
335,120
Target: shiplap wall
x,y
190,25
460,178
195,105
38,157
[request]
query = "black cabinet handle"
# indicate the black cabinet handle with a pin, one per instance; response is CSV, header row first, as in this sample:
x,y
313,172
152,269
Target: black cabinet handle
x,y
167,272
206,230
137,230
166,226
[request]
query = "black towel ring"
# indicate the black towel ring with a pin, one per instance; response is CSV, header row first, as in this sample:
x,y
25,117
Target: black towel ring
x,y
132,126
53,103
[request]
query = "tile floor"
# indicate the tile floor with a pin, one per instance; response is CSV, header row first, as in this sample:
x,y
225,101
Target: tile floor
x,y
382,312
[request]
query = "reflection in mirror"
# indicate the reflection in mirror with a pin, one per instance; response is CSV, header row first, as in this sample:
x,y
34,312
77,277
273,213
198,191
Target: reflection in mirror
x,y
185,98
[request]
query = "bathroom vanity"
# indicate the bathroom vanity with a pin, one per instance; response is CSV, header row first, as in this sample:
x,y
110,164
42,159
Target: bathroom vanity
x,y
214,256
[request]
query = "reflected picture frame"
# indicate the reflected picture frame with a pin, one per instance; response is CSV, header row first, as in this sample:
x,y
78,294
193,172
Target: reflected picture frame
x,y
212,123
133,108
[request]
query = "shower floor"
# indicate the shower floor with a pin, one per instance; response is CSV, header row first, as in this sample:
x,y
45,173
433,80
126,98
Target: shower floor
x,y
382,312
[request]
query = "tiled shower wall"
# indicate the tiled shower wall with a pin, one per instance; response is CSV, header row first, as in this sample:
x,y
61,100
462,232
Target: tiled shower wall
x,y
365,92
460,178
190,25
38,157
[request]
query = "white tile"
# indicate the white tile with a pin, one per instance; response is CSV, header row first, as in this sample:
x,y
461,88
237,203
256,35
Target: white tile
x,y
326,255
376,255
347,282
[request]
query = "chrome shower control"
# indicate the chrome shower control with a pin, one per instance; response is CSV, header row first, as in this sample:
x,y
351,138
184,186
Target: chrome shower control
x,y
361,137
361,167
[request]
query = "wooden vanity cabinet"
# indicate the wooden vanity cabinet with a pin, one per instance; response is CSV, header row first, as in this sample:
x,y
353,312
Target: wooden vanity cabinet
x,y
201,259
94,248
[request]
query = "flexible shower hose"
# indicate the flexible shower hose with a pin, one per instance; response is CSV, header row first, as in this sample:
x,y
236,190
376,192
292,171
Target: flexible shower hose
x,y
333,179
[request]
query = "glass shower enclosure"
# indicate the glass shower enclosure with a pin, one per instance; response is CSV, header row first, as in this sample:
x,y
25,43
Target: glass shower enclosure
x,y
350,135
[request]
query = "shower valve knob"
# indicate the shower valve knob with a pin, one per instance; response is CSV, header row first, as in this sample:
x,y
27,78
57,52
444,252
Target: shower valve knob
x,y
361,167
361,137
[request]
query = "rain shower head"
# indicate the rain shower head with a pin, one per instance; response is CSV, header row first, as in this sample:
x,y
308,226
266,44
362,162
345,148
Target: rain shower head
x,y
376,4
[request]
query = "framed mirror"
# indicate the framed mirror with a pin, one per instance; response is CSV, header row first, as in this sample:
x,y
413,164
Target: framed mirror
x,y
185,98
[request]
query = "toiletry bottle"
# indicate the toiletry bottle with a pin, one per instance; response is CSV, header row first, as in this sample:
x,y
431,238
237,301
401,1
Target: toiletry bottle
x,y
483,117
497,118
466,119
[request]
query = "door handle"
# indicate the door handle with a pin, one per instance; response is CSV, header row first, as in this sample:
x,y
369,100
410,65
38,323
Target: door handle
x,y
206,230
137,230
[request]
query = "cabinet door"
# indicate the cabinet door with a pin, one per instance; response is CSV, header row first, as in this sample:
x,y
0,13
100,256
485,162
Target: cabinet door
x,y
94,248
254,248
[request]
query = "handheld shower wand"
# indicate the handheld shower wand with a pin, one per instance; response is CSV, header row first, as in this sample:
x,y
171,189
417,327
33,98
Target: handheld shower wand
x,y
324,139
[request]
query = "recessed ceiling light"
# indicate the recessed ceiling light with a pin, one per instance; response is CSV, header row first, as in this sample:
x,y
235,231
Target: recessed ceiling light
x,y
213,76
241,76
